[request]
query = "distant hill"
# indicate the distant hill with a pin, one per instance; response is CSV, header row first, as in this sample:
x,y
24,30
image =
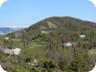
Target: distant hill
x,y
6,30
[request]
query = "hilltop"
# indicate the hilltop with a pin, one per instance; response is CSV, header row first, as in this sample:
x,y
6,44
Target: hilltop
x,y
58,23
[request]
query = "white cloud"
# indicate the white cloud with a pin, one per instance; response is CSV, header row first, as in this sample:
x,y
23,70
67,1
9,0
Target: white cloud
x,y
14,26
2,2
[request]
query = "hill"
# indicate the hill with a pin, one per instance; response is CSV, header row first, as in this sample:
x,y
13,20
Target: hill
x,y
63,23
56,24
55,44
6,30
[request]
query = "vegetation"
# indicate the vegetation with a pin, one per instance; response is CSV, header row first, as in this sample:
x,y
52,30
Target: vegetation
x,y
49,49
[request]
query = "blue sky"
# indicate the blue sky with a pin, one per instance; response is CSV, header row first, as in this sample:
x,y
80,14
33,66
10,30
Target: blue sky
x,y
28,12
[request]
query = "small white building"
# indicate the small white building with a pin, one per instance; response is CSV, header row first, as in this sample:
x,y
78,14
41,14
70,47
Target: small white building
x,y
1,69
83,36
94,70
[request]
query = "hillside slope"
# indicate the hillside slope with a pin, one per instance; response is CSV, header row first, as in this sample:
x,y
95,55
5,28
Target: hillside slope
x,y
58,44
63,23
56,24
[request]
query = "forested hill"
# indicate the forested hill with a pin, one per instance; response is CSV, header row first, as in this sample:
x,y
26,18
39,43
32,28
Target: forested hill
x,y
57,24
63,23
59,44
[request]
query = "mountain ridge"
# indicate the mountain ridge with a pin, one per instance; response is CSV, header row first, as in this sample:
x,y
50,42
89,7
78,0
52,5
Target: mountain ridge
x,y
58,23
6,30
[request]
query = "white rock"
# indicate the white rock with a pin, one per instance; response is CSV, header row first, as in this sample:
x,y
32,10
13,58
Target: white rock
x,y
15,51
2,70
82,36
8,51
68,44
6,38
35,61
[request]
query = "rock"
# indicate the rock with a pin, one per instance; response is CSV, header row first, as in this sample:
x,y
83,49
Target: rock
x,y
15,51
69,44
6,38
83,36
